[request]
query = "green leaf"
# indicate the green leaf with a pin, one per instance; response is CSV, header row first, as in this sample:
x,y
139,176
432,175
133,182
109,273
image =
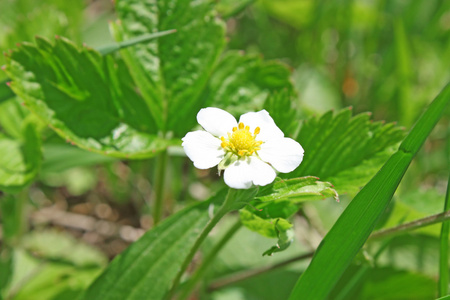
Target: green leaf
x,y
12,115
345,150
354,226
5,91
62,157
46,279
297,190
172,71
19,159
415,205
242,83
53,245
285,238
146,270
386,284
230,8
87,99
279,105
269,227
279,201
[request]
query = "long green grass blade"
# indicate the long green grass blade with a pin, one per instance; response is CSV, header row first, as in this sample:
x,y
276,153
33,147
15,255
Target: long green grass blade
x,y
354,226
443,257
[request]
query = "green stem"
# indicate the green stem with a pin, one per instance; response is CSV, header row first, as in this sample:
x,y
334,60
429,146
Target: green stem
x,y
206,263
223,210
161,166
443,258
430,220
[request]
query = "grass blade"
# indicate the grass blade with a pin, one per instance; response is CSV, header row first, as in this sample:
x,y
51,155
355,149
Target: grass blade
x,y
354,226
443,257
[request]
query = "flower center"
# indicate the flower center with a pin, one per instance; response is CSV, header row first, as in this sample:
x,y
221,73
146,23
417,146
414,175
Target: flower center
x,y
241,141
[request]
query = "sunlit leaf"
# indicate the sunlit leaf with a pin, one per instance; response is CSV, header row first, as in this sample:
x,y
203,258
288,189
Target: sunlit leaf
x,y
172,71
242,83
344,150
19,159
87,99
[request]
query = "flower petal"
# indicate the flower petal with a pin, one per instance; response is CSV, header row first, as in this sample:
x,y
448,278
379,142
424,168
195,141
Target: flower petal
x,y
242,173
284,154
216,121
203,149
262,119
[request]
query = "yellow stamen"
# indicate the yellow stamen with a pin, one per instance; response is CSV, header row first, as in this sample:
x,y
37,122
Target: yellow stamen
x,y
241,141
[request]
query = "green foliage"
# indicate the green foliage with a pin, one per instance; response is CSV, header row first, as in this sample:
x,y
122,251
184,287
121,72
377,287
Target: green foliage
x,y
156,257
19,159
242,83
171,72
345,150
297,190
354,226
279,201
394,284
279,105
86,98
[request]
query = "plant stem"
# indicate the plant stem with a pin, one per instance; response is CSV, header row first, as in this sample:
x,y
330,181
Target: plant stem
x,y
206,263
443,257
161,165
430,220
223,210
239,276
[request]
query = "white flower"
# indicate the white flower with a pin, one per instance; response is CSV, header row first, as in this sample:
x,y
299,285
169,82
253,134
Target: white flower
x,y
249,151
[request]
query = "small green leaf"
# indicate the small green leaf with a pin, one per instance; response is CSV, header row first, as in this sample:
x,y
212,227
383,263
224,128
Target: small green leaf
x,y
87,99
297,190
146,270
345,150
19,159
285,237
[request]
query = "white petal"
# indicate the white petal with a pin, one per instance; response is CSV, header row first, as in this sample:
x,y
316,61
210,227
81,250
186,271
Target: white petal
x,y
261,172
203,149
262,119
284,154
242,173
216,121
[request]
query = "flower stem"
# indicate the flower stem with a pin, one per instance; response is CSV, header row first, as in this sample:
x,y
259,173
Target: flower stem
x,y
223,210
161,165
206,263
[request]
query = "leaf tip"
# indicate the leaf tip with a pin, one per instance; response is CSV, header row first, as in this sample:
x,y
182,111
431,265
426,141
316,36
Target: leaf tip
x,y
350,107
